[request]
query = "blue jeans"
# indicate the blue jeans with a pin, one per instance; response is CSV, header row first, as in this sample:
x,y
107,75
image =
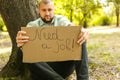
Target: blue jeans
x,y
60,70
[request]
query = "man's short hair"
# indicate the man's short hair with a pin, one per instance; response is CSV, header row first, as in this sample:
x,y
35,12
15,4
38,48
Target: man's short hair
x,y
45,1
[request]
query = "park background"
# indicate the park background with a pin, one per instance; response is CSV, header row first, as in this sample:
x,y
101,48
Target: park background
x,y
101,19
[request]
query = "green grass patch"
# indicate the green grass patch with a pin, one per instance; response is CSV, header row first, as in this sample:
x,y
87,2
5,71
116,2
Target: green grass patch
x,y
104,55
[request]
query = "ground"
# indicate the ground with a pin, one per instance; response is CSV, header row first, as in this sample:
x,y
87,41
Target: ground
x,y
103,52
104,57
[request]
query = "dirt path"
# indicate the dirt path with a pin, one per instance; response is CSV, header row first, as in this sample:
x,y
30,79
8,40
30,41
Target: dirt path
x,y
104,30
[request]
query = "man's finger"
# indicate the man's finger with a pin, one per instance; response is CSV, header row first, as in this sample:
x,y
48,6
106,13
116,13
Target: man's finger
x,y
20,33
82,42
22,38
21,41
83,38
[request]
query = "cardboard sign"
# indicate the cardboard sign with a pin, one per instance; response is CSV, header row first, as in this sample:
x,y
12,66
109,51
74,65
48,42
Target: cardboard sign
x,y
51,44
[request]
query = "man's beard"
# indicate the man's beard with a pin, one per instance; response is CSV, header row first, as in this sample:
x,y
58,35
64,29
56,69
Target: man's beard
x,y
46,20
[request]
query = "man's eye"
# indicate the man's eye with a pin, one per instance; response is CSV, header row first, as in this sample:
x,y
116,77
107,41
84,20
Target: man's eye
x,y
49,9
43,10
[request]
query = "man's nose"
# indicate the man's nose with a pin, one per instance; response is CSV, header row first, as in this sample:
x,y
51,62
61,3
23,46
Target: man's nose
x,y
47,13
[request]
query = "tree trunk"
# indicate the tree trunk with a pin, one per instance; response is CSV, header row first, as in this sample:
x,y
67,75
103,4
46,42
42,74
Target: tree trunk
x,y
85,20
117,15
71,15
16,13
71,11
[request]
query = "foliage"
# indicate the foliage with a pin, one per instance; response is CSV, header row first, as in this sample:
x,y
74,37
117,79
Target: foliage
x,y
78,11
117,9
102,20
115,1
105,20
82,11
2,25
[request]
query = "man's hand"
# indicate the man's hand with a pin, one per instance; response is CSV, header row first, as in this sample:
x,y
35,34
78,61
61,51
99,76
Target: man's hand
x,y
21,38
83,36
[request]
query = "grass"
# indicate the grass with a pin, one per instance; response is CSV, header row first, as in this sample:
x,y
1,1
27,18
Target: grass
x,y
104,57
5,44
104,53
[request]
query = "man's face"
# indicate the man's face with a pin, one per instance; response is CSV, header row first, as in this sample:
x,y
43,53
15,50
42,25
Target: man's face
x,y
46,11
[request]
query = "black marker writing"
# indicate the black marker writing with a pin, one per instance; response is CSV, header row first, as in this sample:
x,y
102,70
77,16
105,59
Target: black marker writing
x,y
41,34
68,45
45,46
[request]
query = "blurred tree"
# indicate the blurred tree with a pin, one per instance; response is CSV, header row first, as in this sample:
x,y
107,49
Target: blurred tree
x,y
76,8
117,10
16,13
88,8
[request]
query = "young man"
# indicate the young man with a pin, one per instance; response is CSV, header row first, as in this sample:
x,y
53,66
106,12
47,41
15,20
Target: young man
x,y
55,70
